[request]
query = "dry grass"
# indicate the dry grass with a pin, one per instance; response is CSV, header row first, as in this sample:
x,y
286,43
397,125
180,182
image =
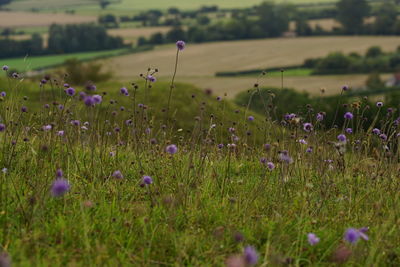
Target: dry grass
x,y
326,24
199,63
28,19
132,34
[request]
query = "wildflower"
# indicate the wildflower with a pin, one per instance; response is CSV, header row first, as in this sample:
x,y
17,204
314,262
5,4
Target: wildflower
x,y
320,117
124,91
66,85
97,99
75,122
91,87
231,129
60,107
47,127
348,116
312,239
59,173
220,146
171,149
376,131
383,137
342,138
250,118
270,166
147,180
263,160
60,187
46,106
151,78
89,101
128,122
15,75
349,130
309,149
3,94
180,45
117,174
250,255
60,133
70,91
379,104
284,156
302,141
267,147
24,109
5,68
308,127
4,170
345,87
2,127
352,235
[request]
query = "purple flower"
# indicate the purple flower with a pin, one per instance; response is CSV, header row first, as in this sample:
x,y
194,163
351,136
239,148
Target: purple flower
x,y
59,187
24,109
151,78
97,99
352,235
180,45
220,146
308,127
15,75
2,127
5,68
320,117
284,156
3,94
383,137
342,138
270,166
147,180
312,239
59,173
47,127
250,255
46,106
309,149
379,104
267,147
250,118
91,87
89,101
349,130
263,160
70,91
60,107
302,141
376,131
124,91
231,129
171,149
75,122
117,174
345,87
66,85
60,133
348,116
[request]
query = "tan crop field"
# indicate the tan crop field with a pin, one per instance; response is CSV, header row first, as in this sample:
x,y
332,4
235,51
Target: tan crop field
x,y
29,19
132,34
199,62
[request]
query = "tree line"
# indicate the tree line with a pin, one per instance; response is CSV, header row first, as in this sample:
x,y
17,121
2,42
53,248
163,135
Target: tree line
x,y
62,39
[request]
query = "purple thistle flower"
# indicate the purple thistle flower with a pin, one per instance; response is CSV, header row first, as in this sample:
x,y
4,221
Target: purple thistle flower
x,y
263,160
379,104
302,141
348,116
60,107
270,166
171,149
97,99
124,91
352,235
15,75
309,149
363,233
59,173
70,91
342,138
250,118
180,45
60,187
284,156
89,101
75,122
267,147
46,106
117,174
147,180
231,129
250,255
220,146
24,109
320,117
308,127
349,130
47,127
60,133
82,95
2,127
3,94
383,137
345,87
5,68
376,131
151,78
66,85
312,239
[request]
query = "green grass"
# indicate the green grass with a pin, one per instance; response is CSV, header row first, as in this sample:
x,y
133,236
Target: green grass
x,y
42,62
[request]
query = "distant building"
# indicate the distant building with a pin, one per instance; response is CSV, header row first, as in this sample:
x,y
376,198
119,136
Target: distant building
x,y
394,80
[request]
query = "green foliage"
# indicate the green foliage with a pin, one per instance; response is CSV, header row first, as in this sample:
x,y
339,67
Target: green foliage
x,y
80,73
13,48
351,14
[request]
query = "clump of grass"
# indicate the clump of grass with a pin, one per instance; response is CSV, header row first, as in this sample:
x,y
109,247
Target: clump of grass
x,y
92,176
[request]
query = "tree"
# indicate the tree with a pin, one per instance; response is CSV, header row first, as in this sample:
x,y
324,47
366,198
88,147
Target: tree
x,y
386,19
374,51
175,34
351,14
273,19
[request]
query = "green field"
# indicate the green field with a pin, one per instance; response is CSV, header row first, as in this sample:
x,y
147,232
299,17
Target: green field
x,y
42,62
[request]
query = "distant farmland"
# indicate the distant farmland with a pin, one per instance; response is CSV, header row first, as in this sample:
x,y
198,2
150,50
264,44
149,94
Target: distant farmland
x,y
199,63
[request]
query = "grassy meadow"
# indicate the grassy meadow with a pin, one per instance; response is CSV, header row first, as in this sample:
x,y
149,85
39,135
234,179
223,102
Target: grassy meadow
x,y
164,174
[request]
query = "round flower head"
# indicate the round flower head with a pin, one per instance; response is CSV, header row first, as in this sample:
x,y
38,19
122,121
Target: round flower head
x,y
263,160
70,91
180,45
348,116
250,118
312,239
59,187
383,137
345,87
3,94
89,101
376,131
5,68
342,138
97,99
151,78
60,133
349,130
171,149
271,165
250,255
320,117
308,127
379,104
352,235
24,109
59,173
147,180
117,174
2,127
124,91
309,149
47,127
220,146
